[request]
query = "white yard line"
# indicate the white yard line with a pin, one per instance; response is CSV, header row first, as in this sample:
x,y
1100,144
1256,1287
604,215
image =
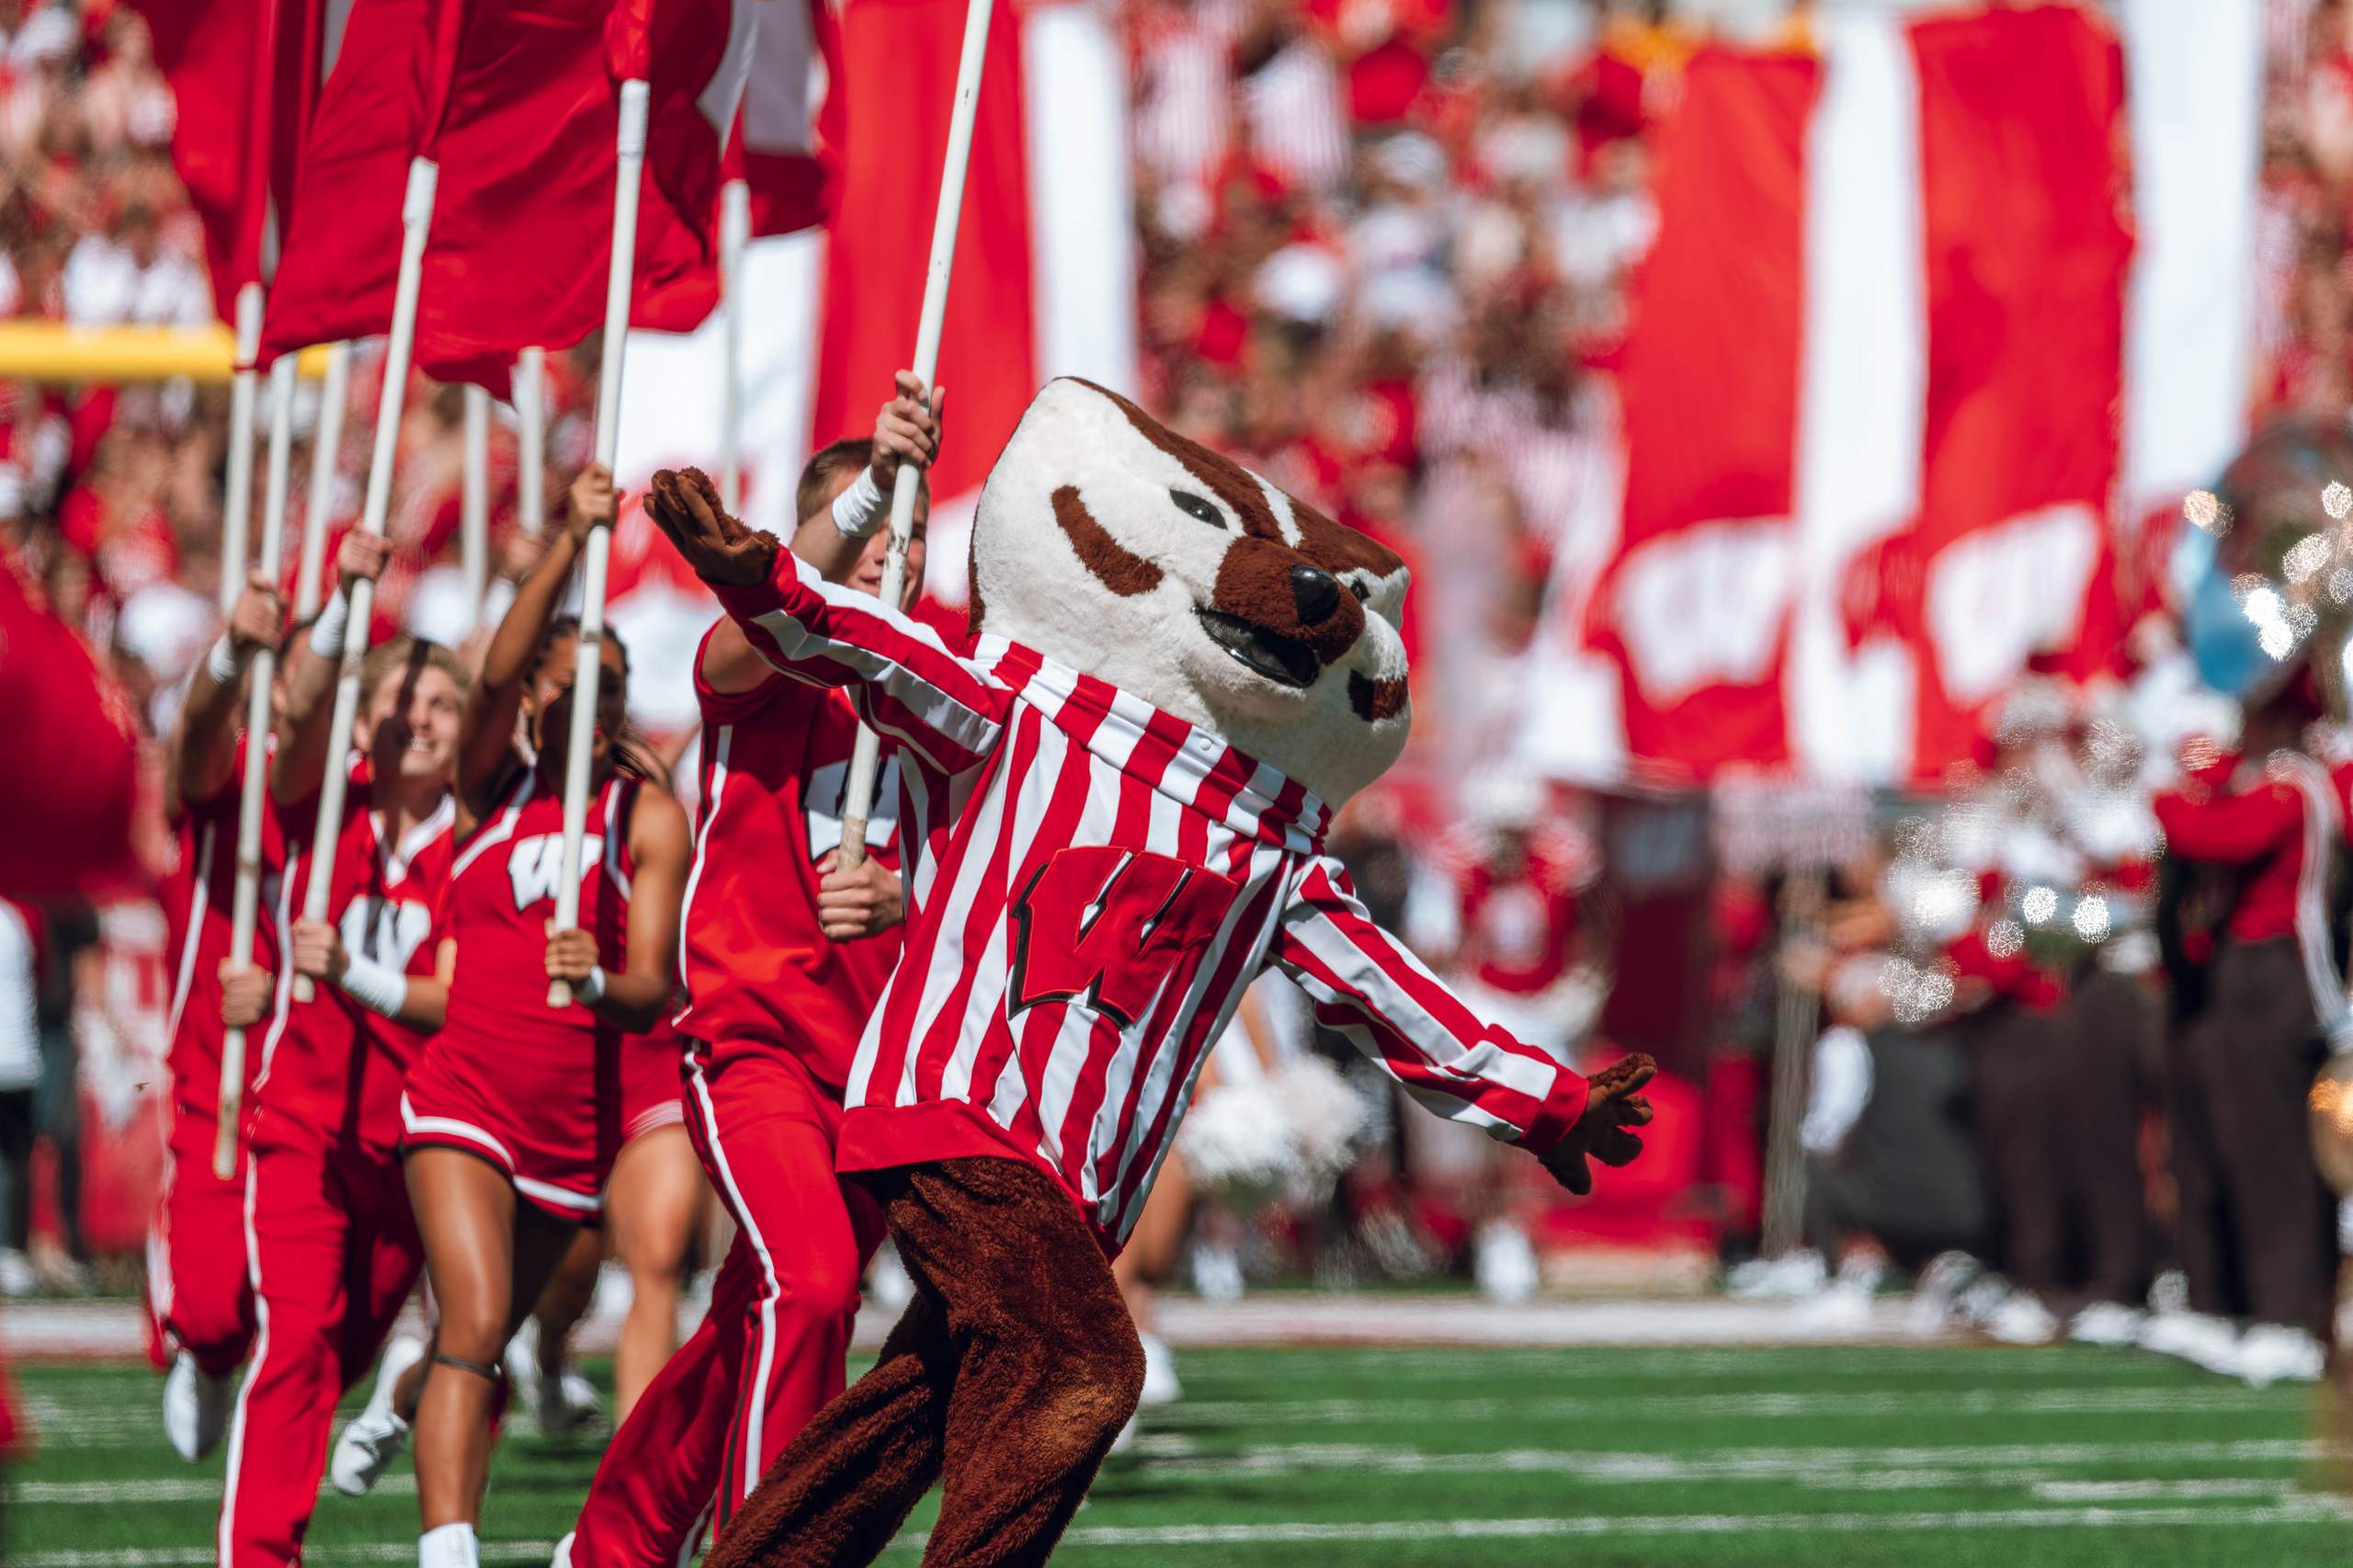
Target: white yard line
x,y
48,1331
2296,1511
2217,1397
2299,1512
1173,1457
193,1489
532,1552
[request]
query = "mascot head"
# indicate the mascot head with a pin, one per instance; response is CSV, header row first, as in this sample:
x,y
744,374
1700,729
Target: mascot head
x,y
1110,543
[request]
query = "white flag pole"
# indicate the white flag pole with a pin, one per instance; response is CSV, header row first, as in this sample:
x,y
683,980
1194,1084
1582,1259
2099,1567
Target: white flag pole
x,y
416,216
239,511
259,675
473,515
327,444
532,440
858,795
734,236
631,159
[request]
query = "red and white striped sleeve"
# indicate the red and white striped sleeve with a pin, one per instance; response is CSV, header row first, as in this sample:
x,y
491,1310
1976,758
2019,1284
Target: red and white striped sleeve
x,y
902,679
1366,985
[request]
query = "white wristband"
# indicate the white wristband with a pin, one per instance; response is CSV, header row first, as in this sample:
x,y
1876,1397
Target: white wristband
x,y
221,662
860,510
590,991
327,632
378,987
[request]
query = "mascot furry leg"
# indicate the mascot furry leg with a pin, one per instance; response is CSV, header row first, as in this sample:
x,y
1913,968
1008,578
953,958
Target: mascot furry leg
x,y
1011,1372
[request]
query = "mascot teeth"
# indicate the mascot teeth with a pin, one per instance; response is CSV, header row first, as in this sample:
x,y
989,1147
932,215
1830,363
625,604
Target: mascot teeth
x,y
1280,659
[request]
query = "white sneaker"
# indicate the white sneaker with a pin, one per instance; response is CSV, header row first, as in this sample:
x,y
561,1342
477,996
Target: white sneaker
x,y
1217,1273
2194,1337
887,1280
568,1403
521,1360
1846,1304
563,1555
2110,1324
195,1407
2273,1353
377,1435
1936,1295
1791,1276
1160,1384
2021,1319
1505,1264
18,1276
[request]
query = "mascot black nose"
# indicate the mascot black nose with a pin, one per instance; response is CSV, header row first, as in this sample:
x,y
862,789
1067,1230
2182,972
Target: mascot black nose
x,y
1315,592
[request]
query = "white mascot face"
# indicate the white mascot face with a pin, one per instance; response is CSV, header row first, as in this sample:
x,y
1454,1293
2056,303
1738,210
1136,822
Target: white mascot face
x,y
1114,545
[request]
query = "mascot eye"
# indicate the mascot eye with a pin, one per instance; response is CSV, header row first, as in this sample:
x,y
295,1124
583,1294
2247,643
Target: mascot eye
x,y
1198,509
1356,587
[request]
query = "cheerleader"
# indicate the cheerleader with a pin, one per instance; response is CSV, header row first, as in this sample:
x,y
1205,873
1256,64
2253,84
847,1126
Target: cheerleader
x,y
513,1118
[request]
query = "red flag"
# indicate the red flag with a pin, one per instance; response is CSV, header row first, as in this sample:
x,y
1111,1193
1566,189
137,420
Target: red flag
x,y
788,133
774,58
340,257
523,225
244,76
79,801
528,147
898,78
1695,608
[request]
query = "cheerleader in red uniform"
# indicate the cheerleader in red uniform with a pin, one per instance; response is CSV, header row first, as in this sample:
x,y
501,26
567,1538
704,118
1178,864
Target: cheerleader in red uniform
x,y
514,1117
331,1250
200,1303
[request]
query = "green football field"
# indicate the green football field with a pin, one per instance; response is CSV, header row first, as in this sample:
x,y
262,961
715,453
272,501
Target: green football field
x,y
1596,1457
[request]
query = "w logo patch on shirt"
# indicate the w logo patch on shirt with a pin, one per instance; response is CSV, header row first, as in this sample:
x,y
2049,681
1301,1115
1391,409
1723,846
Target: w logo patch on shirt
x,y
1107,927
535,866
386,930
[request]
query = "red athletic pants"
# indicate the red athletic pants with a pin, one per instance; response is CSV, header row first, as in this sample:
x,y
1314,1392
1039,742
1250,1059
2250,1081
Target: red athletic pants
x,y
770,1351
332,1251
199,1297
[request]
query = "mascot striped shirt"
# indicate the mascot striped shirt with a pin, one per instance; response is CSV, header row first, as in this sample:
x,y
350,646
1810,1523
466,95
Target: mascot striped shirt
x,y
1092,883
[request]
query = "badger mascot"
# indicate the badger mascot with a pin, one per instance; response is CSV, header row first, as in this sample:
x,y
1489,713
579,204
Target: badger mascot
x,y
1116,807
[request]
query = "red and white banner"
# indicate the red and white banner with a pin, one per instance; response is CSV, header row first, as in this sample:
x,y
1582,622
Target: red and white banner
x,y
1696,607
1896,380
1044,284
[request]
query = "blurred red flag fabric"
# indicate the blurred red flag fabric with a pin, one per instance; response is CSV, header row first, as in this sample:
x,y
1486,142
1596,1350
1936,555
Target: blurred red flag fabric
x,y
340,256
788,132
244,77
75,810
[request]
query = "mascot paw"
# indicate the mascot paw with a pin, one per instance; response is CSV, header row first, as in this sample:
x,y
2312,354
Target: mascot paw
x,y
685,505
1611,1108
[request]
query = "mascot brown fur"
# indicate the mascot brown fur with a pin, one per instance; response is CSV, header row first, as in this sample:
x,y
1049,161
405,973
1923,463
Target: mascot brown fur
x,y
1118,802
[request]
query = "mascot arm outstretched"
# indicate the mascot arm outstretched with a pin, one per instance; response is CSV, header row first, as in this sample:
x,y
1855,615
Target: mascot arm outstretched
x,y
1366,986
902,679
